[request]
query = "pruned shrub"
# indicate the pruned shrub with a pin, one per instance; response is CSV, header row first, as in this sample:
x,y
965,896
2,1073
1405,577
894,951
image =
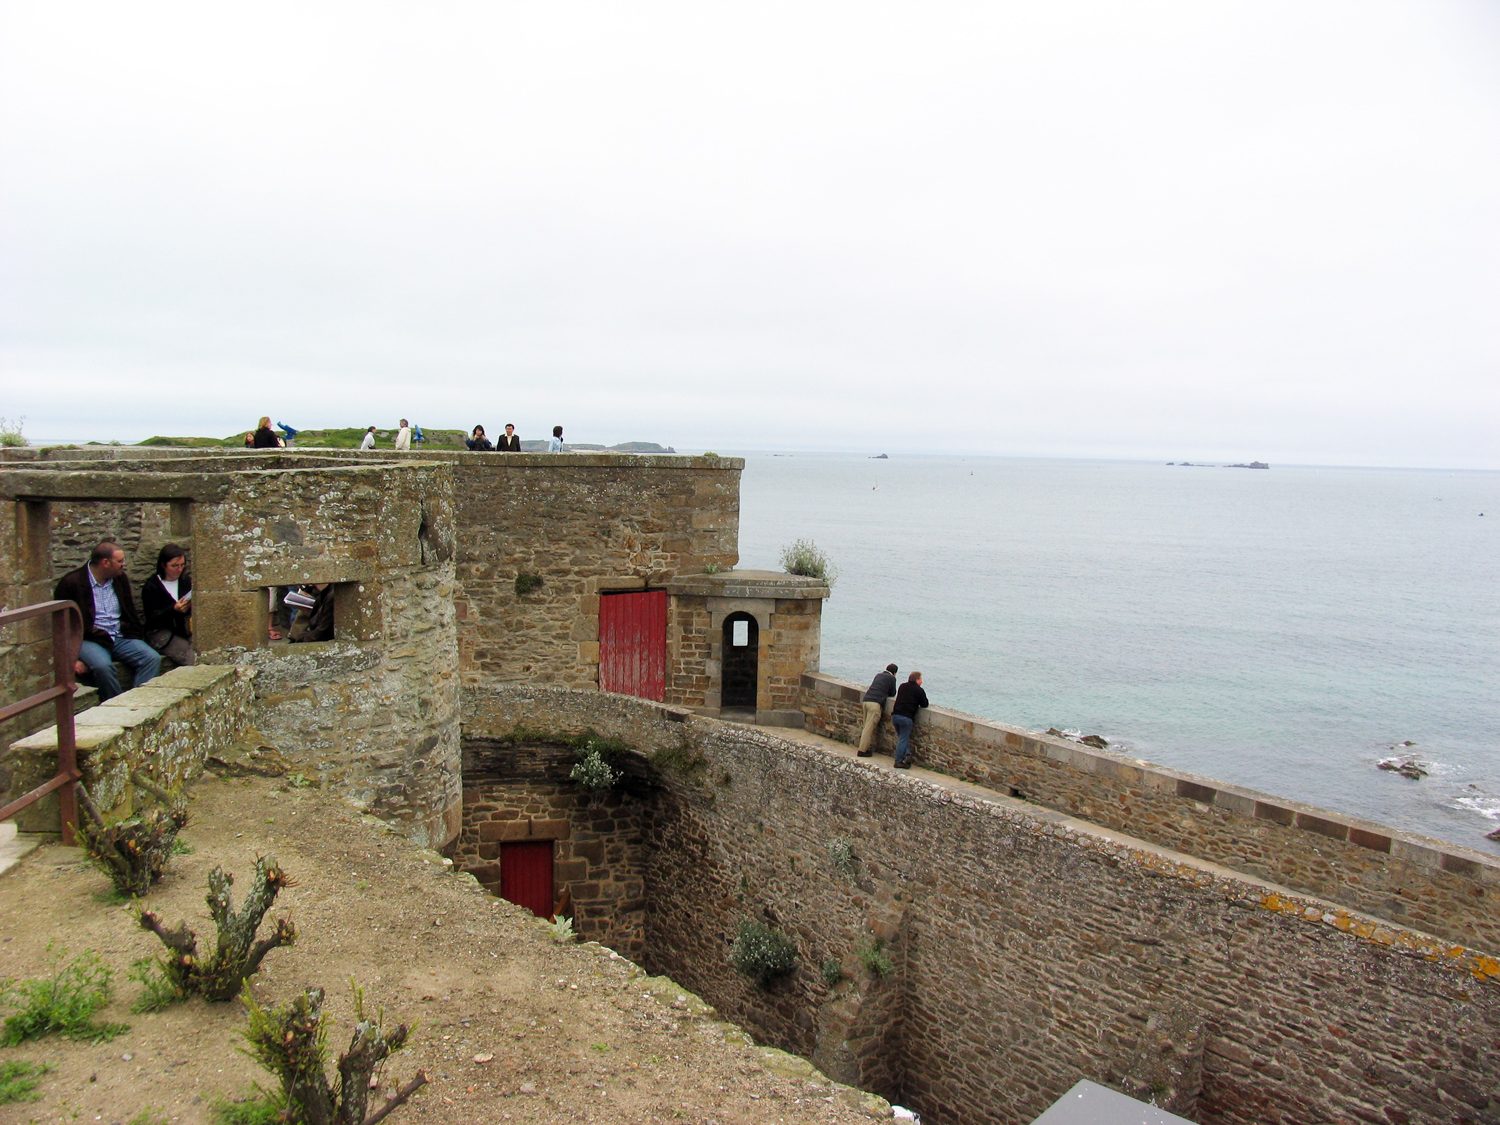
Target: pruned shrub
x,y
762,952
803,557
133,852
62,1004
291,1042
237,953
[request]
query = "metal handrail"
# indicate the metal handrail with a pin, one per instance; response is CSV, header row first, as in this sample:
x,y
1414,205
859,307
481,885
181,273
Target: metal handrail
x,y
67,636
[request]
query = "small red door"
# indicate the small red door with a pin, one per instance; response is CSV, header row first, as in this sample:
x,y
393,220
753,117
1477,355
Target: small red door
x,y
526,875
633,644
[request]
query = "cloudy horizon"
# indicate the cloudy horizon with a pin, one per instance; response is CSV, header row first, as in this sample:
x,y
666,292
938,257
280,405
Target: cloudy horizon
x,y
1164,231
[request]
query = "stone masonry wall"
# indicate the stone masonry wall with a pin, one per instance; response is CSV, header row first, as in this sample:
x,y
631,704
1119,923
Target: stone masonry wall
x,y
1441,889
521,791
584,523
167,729
1029,949
375,711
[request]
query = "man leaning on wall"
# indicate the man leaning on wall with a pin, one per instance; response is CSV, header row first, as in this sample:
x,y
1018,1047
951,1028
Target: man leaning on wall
x,y
111,627
881,688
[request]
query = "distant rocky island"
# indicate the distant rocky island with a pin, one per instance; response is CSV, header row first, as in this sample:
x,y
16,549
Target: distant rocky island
x,y
1200,465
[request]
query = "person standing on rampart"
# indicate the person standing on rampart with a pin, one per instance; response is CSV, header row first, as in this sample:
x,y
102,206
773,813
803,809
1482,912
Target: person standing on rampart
x,y
555,442
368,442
909,698
265,437
510,441
478,442
403,437
111,627
881,688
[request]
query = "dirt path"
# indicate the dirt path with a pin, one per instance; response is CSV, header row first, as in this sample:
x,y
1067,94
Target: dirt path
x,y
567,1033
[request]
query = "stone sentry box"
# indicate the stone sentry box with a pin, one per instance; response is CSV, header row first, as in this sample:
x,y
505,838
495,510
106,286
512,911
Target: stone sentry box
x,y
782,621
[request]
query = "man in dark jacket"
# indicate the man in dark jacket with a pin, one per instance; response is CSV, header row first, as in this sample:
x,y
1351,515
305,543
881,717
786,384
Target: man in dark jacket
x,y
881,688
909,699
111,627
510,441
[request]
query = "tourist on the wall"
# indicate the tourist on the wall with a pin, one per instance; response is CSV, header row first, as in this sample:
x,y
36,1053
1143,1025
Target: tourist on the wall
x,y
511,441
265,437
555,442
881,688
478,442
166,601
320,618
403,437
111,627
369,440
909,699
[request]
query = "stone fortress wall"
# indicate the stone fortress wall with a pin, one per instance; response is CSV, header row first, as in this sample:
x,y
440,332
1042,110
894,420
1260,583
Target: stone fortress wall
x,y
1251,958
1028,948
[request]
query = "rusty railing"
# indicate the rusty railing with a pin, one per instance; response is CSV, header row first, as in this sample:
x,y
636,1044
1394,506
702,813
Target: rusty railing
x,y
67,635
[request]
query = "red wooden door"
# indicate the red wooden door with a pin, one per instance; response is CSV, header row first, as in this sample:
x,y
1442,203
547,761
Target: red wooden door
x,y
633,644
526,875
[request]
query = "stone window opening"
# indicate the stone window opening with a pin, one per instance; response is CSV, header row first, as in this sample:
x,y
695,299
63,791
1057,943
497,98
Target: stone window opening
x,y
288,619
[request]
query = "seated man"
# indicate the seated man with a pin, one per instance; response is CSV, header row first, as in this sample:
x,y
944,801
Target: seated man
x,y
111,627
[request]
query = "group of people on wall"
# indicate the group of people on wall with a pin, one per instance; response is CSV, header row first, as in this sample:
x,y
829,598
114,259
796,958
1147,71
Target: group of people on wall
x,y
910,698
510,441
264,437
114,630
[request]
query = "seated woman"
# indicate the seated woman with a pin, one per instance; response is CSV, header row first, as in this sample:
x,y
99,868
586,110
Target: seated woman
x,y
477,441
166,601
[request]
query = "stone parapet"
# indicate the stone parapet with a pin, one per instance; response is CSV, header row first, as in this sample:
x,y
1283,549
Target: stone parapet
x,y
166,729
1024,948
1443,889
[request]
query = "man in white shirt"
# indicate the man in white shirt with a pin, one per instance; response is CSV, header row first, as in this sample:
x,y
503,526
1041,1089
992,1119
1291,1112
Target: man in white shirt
x,y
369,442
403,437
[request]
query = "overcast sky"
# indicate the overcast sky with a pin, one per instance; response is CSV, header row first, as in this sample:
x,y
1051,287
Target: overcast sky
x,y
1213,231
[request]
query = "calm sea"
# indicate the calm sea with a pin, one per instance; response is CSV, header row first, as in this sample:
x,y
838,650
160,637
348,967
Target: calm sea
x,y
1283,629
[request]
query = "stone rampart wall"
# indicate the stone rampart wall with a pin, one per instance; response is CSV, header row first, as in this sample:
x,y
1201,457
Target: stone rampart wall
x,y
1444,890
1028,948
166,729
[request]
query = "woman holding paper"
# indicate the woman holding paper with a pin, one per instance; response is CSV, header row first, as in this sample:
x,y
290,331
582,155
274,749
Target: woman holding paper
x,y
167,600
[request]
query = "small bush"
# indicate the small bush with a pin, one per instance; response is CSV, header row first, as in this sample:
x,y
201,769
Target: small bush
x,y
133,852
873,957
562,931
18,1081
10,432
762,952
595,754
292,1043
62,1004
526,583
833,971
841,854
237,953
803,557
711,568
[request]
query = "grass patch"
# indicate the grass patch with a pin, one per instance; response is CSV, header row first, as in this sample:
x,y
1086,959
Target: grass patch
x,y
149,1116
833,971
62,1004
873,957
684,760
18,1081
257,1107
182,847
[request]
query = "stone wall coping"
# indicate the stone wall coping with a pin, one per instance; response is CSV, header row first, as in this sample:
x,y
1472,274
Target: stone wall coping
x,y
203,482
133,708
1420,850
748,584
1112,845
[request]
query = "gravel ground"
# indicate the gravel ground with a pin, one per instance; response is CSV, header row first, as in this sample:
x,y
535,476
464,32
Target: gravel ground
x,y
511,1025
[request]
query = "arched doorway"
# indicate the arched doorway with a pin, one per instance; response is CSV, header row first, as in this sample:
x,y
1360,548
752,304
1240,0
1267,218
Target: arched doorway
x,y
740,667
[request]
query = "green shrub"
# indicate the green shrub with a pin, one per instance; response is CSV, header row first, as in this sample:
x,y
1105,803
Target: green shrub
x,y
526,583
803,557
62,1004
18,1081
10,432
762,952
595,753
833,971
873,957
